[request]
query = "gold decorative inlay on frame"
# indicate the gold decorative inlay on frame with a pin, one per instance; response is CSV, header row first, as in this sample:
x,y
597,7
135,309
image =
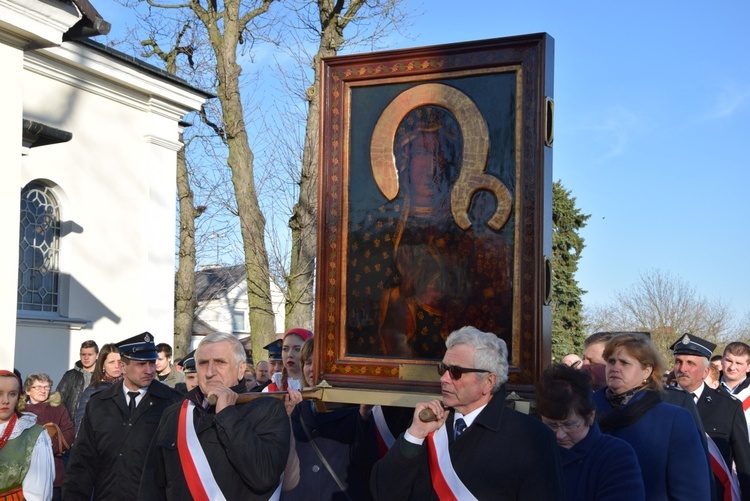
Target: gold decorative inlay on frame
x,y
426,373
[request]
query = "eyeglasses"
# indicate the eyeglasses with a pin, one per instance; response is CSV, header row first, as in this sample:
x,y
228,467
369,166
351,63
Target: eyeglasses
x,y
41,388
566,427
455,371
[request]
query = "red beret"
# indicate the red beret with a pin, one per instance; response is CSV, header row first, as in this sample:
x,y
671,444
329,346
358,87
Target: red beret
x,y
299,331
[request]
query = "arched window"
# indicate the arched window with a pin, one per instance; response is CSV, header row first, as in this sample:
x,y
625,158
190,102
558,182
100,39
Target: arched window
x,y
38,265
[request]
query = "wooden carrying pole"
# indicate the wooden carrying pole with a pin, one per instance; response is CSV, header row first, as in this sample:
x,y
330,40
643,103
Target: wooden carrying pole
x,y
343,396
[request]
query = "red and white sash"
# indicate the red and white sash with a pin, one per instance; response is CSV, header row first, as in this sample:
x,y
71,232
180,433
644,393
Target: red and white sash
x,y
445,480
195,467
723,474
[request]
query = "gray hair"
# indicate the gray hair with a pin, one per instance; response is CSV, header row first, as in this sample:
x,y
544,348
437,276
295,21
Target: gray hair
x,y
34,377
490,352
220,337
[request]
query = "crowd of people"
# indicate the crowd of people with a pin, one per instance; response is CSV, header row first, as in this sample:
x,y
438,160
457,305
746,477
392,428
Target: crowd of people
x,y
687,423
613,423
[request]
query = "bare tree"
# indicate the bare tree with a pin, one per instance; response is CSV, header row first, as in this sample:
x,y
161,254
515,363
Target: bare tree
x,y
186,259
227,26
742,331
199,31
667,307
181,45
320,25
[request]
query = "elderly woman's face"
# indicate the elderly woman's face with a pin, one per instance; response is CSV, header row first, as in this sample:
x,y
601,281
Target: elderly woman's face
x,y
569,431
39,391
624,372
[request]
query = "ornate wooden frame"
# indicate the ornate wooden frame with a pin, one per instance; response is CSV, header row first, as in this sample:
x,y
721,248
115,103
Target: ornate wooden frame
x,y
500,92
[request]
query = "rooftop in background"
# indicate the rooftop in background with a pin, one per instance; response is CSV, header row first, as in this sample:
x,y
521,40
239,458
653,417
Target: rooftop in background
x,y
212,281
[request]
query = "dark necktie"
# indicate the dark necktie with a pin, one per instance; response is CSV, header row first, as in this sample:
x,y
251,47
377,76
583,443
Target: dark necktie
x,y
132,395
460,426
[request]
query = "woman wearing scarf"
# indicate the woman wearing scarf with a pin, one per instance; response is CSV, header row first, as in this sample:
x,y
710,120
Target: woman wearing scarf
x,y
664,437
51,414
107,372
28,468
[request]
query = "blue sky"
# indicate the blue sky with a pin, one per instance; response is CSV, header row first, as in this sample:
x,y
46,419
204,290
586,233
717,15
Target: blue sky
x,y
652,103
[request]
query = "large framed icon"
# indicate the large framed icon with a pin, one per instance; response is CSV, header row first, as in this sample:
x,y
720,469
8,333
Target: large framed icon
x,y
434,209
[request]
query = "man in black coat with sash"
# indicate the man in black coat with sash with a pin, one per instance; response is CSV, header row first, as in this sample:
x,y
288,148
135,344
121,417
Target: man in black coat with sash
x,y
109,453
219,450
478,447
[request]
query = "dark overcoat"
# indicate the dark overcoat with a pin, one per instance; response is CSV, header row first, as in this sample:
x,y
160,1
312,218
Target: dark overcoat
x,y
601,468
109,453
348,444
503,455
246,446
668,446
724,421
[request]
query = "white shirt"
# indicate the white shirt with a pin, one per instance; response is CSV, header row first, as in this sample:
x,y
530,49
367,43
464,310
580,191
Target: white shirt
x,y
698,392
468,419
141,393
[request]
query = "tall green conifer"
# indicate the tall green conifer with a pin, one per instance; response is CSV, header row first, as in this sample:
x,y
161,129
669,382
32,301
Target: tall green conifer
x,y
567,245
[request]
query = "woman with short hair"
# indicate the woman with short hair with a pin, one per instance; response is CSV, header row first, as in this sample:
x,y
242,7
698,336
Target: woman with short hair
x,y
595,466
664,436
51,414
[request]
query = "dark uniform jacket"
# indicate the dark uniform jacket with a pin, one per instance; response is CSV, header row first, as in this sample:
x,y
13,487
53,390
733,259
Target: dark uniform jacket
x,y
503,455
724,421
109,453
246,445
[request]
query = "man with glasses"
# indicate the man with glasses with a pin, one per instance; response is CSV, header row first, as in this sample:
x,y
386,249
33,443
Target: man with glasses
x,y
477,448
76,380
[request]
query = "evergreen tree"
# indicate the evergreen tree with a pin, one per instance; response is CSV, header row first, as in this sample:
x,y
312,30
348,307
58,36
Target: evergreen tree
x,y
567,322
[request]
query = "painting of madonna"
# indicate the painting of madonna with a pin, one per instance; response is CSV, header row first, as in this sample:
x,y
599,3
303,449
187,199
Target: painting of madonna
x,y
413,274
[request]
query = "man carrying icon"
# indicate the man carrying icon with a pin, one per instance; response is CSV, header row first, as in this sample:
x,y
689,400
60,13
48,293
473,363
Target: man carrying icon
x,y
220,450
478,448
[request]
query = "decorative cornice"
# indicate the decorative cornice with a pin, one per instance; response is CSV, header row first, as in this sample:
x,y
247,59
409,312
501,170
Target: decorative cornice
x,y
80,67
77,64
32,24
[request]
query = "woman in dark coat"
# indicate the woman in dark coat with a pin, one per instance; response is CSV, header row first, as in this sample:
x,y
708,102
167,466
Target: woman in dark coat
x,y
596,467
664,436
49,409
344,437
107,372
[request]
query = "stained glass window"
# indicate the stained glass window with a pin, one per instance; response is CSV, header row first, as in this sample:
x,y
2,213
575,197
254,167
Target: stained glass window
x,y
38,266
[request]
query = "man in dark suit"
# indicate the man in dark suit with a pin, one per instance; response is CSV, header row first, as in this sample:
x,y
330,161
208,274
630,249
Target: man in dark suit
x,y
722,416
478,447
220,450
110,450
